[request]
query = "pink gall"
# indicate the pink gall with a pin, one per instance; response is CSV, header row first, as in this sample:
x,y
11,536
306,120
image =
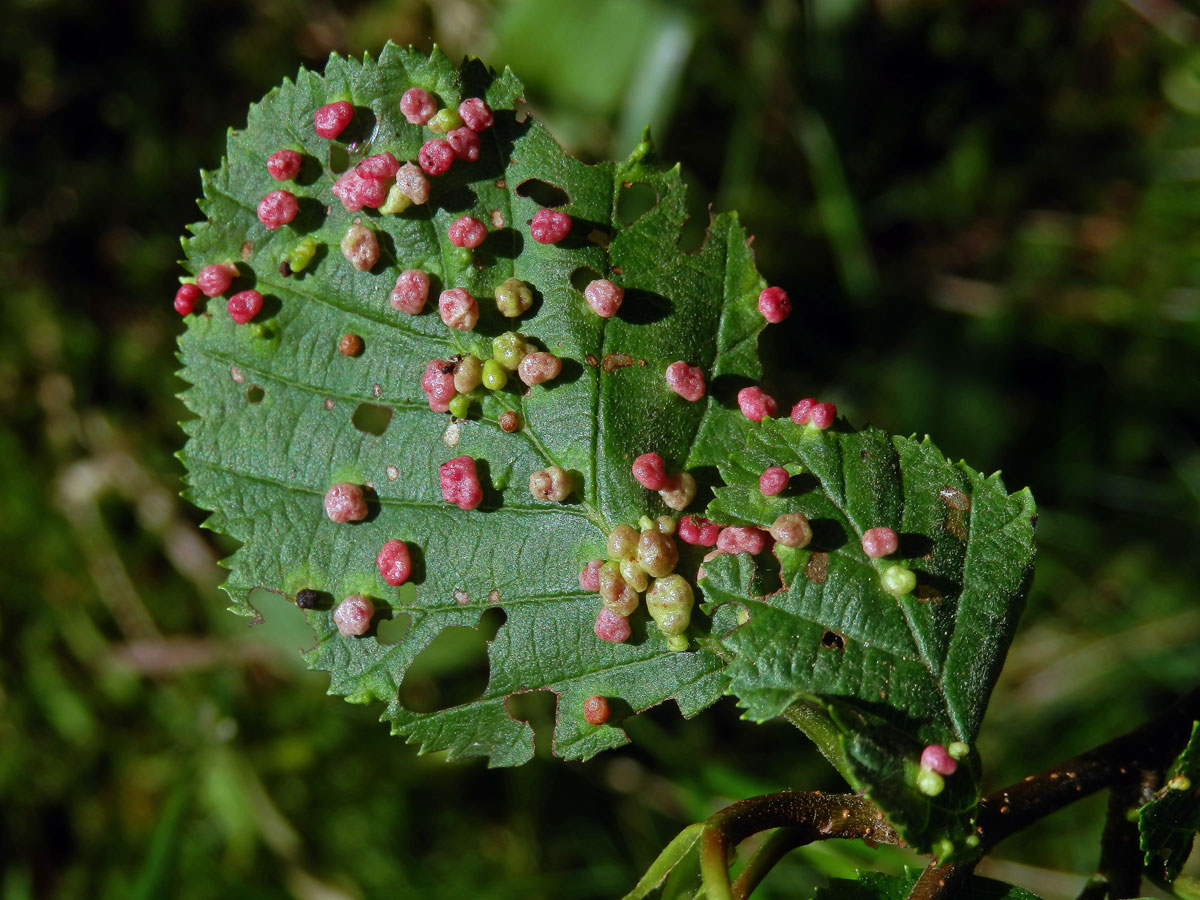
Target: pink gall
x,y
476,114
650,471
467,231
394,562
589,575
603,297
216,278
417,105
244,306
612,628
458,309
687,381
774,304
937,759
773,481
549,226
460,483
353,615
277,208
879,542
438,384
186,298
756,404
698,531
465,144
436,157
284,165
331,120
345,502
411,292
741,539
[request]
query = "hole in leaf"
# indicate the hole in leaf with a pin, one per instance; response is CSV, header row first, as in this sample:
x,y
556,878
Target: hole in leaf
x,y
542,193
393,630
372,418
582,277
634,200
538,709
489,623
255,394
451,671
831,640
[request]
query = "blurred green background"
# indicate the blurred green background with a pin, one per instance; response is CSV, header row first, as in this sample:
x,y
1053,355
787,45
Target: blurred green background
x,y
988,217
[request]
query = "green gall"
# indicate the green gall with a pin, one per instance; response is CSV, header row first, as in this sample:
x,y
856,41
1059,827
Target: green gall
x,y
465,256
664,524
301,255
460,406
397,201
635,576
468,374
930,783
444,120
494,376
622,542
656,552
677,643
943,849
513,297
645,522
743,615
1180,783
971,840
509,349
898,581
957,749
669,602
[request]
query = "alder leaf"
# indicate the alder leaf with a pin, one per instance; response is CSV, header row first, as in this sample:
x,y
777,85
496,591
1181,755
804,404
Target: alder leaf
x,y
1169,823
891,673
281,415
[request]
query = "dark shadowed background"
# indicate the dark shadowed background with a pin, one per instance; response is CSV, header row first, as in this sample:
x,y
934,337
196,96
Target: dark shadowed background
x,y
988,217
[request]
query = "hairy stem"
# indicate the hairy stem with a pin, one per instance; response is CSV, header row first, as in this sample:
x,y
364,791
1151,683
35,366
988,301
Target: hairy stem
x,y
805,817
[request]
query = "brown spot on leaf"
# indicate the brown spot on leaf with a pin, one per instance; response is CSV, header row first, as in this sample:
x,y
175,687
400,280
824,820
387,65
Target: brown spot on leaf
x,y
955,524
377,390
817,568
247,250
236,374
502,184
328,404
493,596
617,270
460,597
393,472
498,219
954,498
614,361
591,360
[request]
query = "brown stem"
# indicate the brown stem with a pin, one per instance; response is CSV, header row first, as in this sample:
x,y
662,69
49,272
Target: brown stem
x,y
808,817
1148,749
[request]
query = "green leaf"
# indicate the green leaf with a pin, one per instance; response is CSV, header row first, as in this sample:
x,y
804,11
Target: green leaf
x,y
280,414
1169,823
877,886
682,852
893,674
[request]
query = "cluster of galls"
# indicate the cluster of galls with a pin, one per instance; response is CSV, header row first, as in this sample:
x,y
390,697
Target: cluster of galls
x,y
641,562
454,385
937,764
